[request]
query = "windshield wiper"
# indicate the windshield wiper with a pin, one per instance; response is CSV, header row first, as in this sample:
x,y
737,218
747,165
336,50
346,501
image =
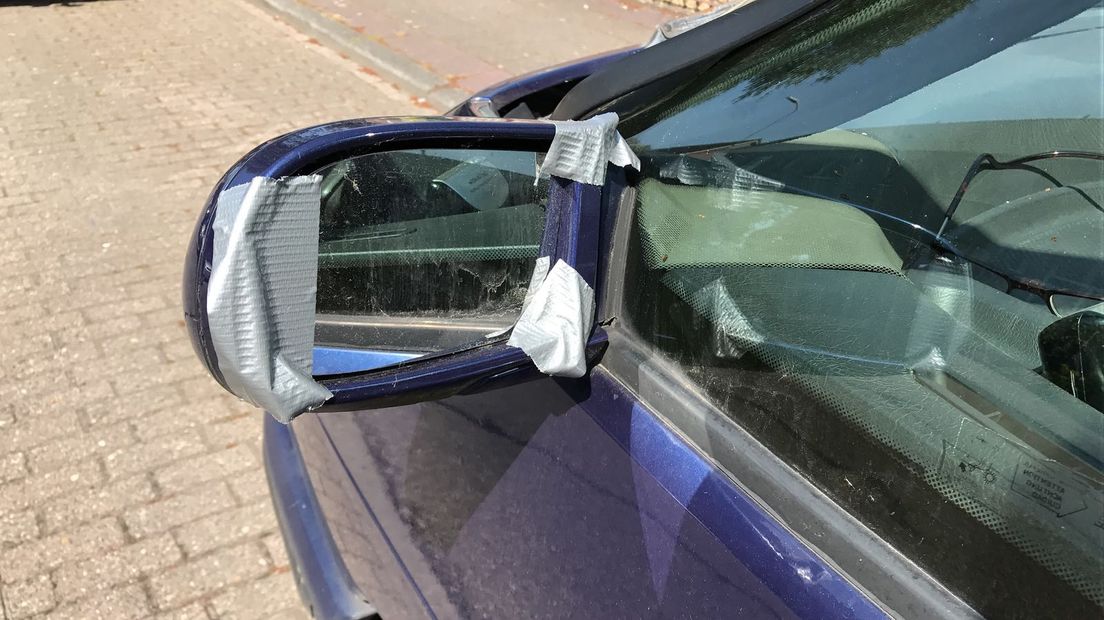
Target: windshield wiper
x,y
986,161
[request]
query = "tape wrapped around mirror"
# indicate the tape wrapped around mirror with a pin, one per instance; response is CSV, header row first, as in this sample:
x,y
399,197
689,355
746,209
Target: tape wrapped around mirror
x,y
581,150
261,294
556,320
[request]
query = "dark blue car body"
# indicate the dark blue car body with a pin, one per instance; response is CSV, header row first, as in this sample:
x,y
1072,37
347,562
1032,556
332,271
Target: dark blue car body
x,y
532,496
472,485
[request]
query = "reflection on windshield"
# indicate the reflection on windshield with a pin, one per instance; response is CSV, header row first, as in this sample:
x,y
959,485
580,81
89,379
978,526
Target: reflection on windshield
x,y
1061,59
871,44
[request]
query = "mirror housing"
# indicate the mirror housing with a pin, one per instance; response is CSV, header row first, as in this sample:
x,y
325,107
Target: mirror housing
x,y
1072,349
305,151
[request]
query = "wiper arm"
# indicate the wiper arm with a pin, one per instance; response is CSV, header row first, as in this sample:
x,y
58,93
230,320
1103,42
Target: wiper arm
x,y
986,161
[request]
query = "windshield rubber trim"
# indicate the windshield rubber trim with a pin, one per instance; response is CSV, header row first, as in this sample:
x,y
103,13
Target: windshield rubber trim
x,y
689,53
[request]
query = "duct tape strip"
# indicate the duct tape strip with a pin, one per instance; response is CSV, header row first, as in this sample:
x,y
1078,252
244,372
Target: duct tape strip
x,y
555,321
260,298
581,149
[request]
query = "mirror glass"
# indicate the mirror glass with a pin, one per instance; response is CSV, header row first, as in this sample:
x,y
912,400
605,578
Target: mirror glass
x,y
422,251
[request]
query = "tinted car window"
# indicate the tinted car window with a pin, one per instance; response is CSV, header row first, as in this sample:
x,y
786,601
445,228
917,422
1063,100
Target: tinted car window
x,y
875,240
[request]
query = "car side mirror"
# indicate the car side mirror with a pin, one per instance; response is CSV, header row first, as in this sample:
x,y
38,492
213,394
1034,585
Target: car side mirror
x,y
1072,350
375,262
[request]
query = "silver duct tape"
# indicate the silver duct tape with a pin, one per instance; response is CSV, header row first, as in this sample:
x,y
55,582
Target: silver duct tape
x,y
555,321
581,149
260,298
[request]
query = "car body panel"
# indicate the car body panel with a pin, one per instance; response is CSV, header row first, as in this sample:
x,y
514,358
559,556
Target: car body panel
x,y
324,584
548,497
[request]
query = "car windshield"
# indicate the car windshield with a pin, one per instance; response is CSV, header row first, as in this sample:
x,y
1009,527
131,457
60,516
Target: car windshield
x,y
875,239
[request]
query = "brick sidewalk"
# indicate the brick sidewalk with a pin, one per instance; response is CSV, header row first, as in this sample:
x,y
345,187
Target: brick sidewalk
x,y
130,485
443,51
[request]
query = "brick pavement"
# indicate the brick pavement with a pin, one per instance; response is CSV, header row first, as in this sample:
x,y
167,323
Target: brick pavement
x,y
130,485
461,47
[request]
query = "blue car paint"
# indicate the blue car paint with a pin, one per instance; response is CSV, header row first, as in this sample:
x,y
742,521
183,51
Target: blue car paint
x,y
525,496
549,497
324,584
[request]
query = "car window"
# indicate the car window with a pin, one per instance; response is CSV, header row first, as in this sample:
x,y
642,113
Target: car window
x,y
875,240
426,250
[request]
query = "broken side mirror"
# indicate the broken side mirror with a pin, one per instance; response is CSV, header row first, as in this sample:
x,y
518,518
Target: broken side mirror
x,y
384,261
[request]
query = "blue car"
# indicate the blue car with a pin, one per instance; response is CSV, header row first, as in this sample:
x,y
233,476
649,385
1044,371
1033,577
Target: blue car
x,y
799,313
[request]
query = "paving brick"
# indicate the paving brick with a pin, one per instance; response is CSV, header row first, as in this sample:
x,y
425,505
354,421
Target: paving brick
x,y
79,447
177,510
106,332
27,598
19,314
96,502
105,161
31,431
13,353
74,397
249,486
277,550
159,451
115,309
48,553
135,405
164,373
291,613
205,467
203,413
195,611
134,366
251,601
226,528
178,350
124,603
74,581
244,429
208,574
18,527
37,489
12,466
